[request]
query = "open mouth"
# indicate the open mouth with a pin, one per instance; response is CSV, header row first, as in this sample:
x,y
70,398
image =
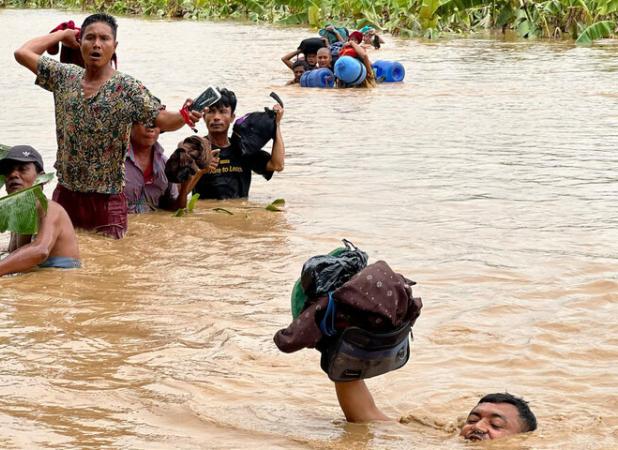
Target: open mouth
x,y
12,186
476,437
95,55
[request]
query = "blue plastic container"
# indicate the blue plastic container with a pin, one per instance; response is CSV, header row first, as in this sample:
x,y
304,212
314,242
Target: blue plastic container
x,y
350,70
320,78
389,71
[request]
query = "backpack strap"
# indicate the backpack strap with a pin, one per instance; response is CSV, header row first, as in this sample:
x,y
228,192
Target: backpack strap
x,y
327,325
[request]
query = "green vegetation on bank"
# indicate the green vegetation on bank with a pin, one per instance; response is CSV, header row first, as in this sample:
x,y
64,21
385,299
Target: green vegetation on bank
x,y
583,20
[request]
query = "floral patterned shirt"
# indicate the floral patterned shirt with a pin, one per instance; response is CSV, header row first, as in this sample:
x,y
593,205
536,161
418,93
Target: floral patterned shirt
x,y
93,133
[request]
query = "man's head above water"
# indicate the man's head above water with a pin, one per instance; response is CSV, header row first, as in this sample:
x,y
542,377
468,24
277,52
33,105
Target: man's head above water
x,y
496,416
20,167
219,117
324,58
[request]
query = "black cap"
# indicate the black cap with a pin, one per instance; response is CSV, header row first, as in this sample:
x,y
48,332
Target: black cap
x,y
22,153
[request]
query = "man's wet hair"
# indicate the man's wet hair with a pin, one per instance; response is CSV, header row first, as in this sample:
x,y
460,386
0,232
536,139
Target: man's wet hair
x,y
526,416
228,98
299,63
101,17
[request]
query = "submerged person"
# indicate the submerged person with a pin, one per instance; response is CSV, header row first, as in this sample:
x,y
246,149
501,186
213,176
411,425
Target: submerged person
x,y
55,243
354,49
95,108
371,39
310,59
299,67
232,178
325,58
494,416
147,188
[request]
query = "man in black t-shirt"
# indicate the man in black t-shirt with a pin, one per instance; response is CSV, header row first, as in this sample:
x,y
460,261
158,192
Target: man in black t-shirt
x,y
232,178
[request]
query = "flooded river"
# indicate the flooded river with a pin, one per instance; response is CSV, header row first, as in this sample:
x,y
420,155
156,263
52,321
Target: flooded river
x,y
489,177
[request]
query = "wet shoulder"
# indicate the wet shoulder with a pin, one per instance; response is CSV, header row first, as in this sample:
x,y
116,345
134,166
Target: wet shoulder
x,y
56,212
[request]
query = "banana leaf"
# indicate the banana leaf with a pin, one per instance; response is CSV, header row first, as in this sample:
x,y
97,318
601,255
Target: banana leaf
x,y
276,205
451,6
19,210
314,16
193,202
294,19
608,7
599,30
4,149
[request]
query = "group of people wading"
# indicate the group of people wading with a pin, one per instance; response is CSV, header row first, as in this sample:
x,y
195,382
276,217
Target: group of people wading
x,y
322,52
109,164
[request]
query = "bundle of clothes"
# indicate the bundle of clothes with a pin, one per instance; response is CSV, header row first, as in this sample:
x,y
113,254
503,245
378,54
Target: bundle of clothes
x,y
361,322
70,55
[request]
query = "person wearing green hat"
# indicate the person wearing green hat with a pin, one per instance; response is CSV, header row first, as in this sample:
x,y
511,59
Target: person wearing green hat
x,y
55,244
371,39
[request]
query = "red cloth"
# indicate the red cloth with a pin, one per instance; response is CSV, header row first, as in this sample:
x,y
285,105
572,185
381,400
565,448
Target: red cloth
x,y
357,36
67,55
348,51
149,174
103,213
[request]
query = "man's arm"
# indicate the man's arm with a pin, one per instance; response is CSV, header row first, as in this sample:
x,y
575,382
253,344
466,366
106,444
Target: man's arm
x,y
362,55
277,157
287,59
29,53
333,30
37,251
357,403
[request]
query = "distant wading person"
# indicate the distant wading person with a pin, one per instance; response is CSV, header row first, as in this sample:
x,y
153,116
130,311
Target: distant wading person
x,y
95,108
55,244
299,67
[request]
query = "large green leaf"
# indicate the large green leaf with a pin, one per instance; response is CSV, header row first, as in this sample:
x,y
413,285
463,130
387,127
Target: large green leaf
x,y
608,7
599,30
452,6
314,16
427,11
4,149
294,19
19,210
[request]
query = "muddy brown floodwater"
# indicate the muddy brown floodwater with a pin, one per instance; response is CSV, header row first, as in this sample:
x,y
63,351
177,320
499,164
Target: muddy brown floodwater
x,y
489,177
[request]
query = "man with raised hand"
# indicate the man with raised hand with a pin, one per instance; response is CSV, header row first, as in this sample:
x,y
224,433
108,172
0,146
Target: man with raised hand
x,y
232,177
495,416
95,109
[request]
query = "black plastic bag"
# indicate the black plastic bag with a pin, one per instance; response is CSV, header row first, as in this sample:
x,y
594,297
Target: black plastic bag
x,y
325,273
252,131
311,45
